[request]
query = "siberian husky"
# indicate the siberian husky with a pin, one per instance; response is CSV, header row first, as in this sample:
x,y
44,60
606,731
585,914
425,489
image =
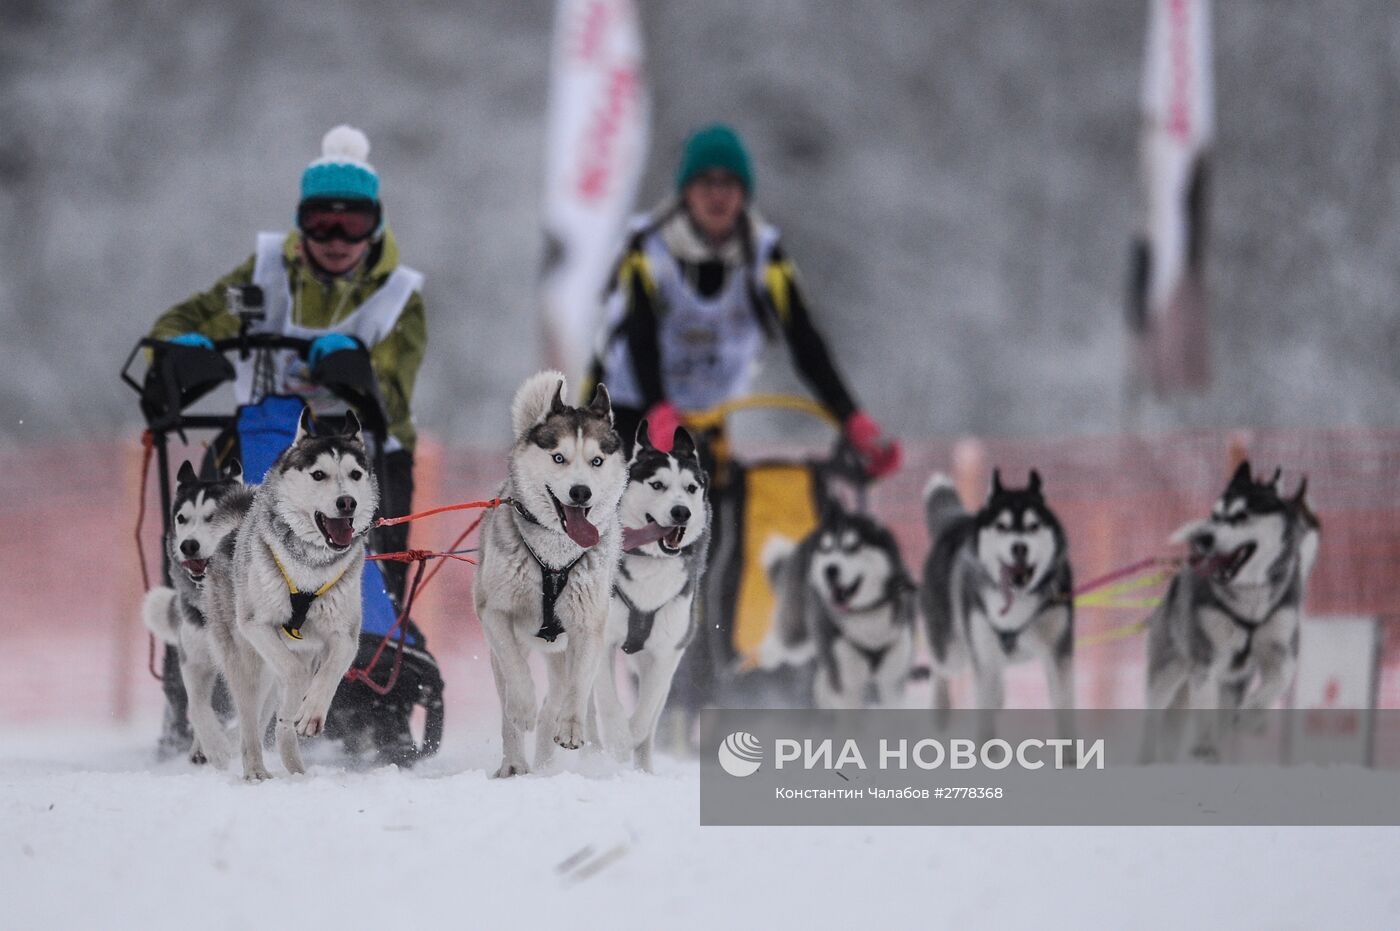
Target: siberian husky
x,y
1225,636
284,592
844,596
998,590
201,515
547,564
651,615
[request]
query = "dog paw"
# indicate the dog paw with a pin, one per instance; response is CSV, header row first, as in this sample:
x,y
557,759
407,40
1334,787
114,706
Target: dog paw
x,y
310,719
569,733
1251,721
256,774
1205,753
509,769
520,712
198,758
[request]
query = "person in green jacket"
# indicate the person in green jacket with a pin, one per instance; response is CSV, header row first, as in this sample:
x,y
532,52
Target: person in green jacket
x,y
335,280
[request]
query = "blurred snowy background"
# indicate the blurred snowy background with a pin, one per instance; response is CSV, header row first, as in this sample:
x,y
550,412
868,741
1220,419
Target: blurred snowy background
x,y
957,181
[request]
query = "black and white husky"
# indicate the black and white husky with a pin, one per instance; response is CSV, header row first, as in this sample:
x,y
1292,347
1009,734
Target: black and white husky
x,y
547,564
201,515
844,597
283,596
1225,636
998,590
651,617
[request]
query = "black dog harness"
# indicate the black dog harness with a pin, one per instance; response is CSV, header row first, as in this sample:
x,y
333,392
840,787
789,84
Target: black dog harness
x,y
552,582
301,601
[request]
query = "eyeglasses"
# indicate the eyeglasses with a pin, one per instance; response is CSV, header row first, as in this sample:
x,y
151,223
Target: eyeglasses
x,y
322,222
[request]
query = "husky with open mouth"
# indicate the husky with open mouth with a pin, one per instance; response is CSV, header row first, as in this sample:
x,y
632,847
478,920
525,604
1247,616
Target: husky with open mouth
x,y
547,563
844,597
283,595
201,515
1225,637
997,590
651,618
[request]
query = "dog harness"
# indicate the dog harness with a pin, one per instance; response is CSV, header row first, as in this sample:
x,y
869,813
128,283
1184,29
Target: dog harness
x,y
301,601
552,582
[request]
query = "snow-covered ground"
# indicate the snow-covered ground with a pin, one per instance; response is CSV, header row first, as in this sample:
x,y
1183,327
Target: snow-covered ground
x,y
94,834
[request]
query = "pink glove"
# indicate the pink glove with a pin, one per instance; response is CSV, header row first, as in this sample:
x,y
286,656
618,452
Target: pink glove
x,y
881,456
662,421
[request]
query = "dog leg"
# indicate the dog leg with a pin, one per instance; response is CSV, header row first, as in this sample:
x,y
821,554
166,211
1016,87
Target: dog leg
x,y
990,698
288,747
942,702
513,753
1205,707
654,686
1059,675
611,716
243,670
210,741
584,653
514,684
555,666
310,717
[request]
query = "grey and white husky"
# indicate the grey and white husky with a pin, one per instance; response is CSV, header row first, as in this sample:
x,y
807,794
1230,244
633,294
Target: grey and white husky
x,y
201,515
998,590
651,616
547,564
284,591
844,596
1225,637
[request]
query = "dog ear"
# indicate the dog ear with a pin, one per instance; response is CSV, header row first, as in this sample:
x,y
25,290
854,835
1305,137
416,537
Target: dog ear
x,y
1300,496
303,426
1242,476
556,403
1034,486
352,427
996,484
643,438
234,471
601,405
683,444
186,475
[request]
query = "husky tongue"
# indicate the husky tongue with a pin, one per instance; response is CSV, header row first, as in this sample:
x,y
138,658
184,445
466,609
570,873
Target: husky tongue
x,y
340,530
633,537
578,528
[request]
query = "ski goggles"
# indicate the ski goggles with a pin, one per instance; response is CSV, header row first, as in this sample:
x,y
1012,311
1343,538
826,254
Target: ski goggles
x,y
347,221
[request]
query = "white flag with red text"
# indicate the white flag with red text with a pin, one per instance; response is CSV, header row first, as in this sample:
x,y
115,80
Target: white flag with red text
x,y
596,141
1167,304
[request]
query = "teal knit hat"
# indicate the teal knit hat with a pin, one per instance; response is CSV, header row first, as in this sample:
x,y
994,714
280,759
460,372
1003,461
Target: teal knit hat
x,y
343,170
715,146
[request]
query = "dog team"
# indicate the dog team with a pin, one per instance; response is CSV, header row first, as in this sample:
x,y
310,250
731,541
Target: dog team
x,y
593,553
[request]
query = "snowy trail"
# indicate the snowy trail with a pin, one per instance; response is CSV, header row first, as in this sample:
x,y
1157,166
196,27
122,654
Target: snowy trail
x,y
94,834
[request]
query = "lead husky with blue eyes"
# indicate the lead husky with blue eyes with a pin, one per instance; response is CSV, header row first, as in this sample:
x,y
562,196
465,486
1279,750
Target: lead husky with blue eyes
x,y
997,590
547,563
651,618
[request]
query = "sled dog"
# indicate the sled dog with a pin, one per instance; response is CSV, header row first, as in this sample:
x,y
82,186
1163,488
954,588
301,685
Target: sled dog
x,y
547,564
844,596
284,595
1225,637
997,590
651,615
201,515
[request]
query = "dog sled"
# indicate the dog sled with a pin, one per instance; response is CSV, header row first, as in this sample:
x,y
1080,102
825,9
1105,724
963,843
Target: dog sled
x,y
394,673
752,501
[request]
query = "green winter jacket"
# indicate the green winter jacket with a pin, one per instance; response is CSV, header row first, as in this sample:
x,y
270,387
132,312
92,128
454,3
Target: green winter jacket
x,y
320,304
